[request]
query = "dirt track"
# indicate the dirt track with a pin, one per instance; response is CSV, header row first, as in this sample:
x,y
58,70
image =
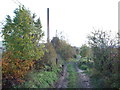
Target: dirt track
x,y
83,80
63,82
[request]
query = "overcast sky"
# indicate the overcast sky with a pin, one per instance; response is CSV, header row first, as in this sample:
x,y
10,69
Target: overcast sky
x,y
75,18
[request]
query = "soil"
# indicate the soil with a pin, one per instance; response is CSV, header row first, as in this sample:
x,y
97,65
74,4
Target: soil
x,y
62,82
83,79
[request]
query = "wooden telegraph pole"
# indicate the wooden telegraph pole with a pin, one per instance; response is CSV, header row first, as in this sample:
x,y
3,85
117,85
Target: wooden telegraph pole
x,y
48,25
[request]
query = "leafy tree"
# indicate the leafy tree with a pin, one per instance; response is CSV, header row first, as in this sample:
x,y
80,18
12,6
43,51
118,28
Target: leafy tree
x,y
49,58
105,57
22,35
21,39
65,50
84,50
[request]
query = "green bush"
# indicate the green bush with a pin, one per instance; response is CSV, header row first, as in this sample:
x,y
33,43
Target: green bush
x,y
51,55
83,67
85,51
40,79
64,49
106,58
49,58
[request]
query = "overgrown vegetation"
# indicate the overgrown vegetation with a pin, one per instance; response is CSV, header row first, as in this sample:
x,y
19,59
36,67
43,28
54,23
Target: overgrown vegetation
x,y
41,79
21,39
65,50
85,64
72,76
48,59
102,65
22,35
85,51
26,62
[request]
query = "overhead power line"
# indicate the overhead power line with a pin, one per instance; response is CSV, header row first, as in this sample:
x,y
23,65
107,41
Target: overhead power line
x,y
17,2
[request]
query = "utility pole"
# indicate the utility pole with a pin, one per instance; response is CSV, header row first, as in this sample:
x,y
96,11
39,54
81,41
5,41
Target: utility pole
x,y
118,30
56,34
48,25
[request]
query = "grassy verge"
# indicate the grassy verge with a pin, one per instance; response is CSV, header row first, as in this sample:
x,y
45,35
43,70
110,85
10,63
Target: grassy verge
x,y
40,79
72,78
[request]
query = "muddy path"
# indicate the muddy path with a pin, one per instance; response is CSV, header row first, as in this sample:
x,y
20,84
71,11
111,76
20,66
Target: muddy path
x,y
84,80
62,82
